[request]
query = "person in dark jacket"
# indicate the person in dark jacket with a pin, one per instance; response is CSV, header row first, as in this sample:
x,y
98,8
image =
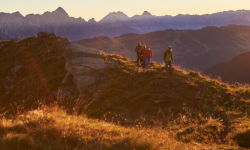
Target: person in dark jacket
x,y
168,59
147,55
142,52
138,51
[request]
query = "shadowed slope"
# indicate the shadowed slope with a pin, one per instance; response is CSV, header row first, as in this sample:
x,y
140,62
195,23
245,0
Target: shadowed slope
x,y
236,70
31,69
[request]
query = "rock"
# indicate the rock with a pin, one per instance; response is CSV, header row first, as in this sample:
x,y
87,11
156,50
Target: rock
x,y
119,62
46,101
65,79
62,92
16,69
65,44
39,34
22,80
157,75
85,84
76,48
6,88
160,101
12,86
91,62
83,66
9,79
96,96
77,70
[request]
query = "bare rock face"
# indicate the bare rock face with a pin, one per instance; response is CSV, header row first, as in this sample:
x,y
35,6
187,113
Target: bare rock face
x,y
90,62
40,34
85,84
77,69
76,48
83,65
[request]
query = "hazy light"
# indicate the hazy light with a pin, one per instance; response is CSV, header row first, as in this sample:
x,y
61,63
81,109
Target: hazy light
x,y
99,8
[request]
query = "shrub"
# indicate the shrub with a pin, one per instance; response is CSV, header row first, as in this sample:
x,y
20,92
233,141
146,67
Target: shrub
x,y
194,74
2,130
17,142
202,133
243,139
70,140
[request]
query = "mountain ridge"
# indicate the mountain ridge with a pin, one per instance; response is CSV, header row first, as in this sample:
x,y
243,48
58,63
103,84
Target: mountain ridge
x,y
234,71
57,21
16,26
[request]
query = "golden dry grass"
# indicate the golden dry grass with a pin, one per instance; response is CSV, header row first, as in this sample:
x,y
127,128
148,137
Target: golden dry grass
x,y
53,128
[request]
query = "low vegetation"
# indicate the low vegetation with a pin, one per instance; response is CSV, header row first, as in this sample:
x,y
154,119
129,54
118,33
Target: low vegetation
x,y
52,128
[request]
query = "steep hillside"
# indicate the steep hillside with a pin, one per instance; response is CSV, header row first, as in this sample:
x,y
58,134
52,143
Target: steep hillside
x,y
31,69
236,70
193,49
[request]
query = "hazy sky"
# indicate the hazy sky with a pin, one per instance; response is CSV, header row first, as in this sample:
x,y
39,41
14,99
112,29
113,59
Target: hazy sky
x,y
99,8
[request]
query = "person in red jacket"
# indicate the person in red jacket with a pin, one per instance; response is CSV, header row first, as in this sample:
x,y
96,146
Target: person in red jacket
x,y
147,55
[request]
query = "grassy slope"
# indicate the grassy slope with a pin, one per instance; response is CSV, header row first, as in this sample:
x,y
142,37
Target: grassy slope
x,y
52,128
142,110
191,106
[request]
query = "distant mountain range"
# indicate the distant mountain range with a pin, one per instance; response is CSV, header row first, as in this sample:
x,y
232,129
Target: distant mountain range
x,y
235,70
193,49
148,22
16,26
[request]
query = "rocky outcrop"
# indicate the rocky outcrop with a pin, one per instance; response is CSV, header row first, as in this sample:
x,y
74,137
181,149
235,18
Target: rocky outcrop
x,y
83,65
40,34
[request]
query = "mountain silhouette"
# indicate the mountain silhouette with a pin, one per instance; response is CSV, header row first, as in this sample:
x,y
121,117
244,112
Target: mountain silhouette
x,y
60,10
114,16
16,26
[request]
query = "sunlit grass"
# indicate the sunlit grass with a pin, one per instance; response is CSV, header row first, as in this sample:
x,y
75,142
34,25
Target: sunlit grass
x,y
53,128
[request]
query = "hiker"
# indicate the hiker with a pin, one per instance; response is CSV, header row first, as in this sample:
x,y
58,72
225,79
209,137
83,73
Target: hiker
x,y
168,59
138,50
142,52
147,55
